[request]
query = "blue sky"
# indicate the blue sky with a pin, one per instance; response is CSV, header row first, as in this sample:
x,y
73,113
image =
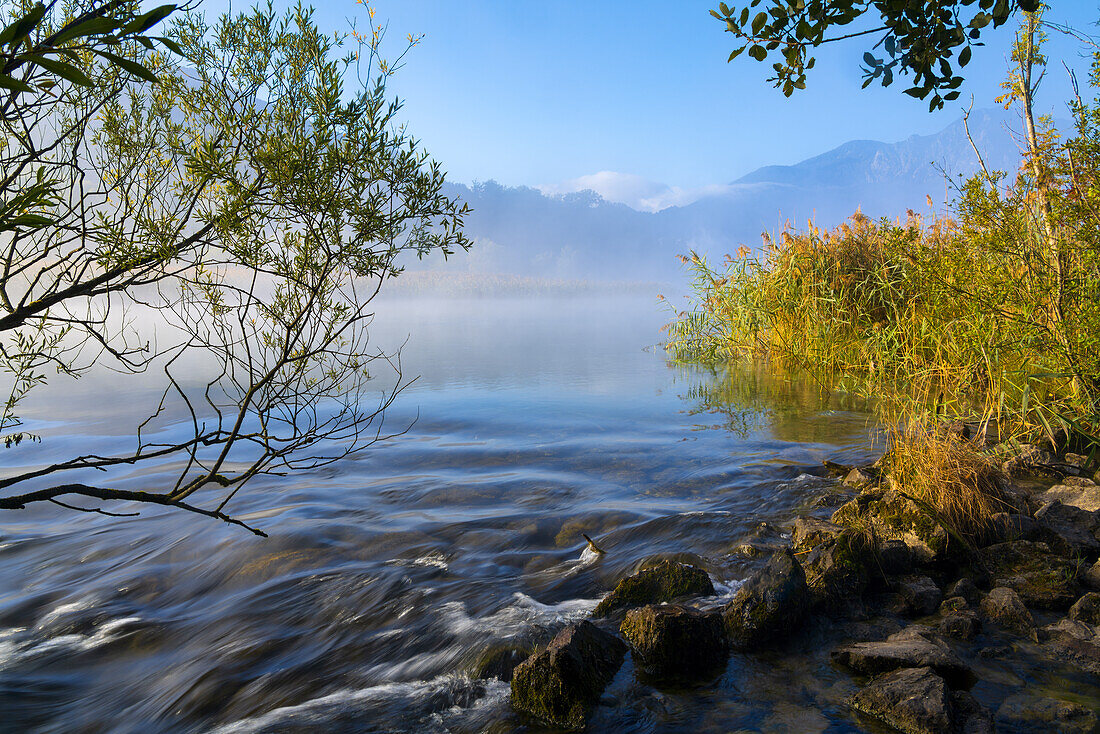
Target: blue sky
x,y
544,93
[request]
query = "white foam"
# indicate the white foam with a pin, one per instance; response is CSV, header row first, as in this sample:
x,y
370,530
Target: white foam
x,y
316,712
433,559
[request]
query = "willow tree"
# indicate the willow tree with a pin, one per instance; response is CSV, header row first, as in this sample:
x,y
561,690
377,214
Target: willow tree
x,y
240,188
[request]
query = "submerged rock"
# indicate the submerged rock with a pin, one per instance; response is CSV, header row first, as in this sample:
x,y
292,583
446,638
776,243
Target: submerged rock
x,y
918,701
499,661
910,648
1041,578
1026,712
913,700
675,640
1074,642
663,582
770,604
1003,606
562,683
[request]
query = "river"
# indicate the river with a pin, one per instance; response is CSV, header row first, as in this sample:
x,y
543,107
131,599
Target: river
x,y
385,576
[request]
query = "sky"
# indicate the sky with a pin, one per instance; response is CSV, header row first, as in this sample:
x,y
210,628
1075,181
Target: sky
x,y
637,98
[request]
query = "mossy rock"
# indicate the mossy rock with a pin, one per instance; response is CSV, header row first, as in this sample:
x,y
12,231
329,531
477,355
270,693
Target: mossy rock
x,y
670,639
562,683
1040,578
888,515
663,582
770,605
837,571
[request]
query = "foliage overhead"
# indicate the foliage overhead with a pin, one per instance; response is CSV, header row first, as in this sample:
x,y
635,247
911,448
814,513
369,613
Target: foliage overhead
x,y
931,40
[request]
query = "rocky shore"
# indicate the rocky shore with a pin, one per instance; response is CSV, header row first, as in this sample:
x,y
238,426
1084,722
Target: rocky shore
x,y
918,604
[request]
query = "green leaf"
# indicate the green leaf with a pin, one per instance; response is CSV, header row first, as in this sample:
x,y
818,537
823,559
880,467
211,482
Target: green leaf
x,y
89,27
736,52
146,21
758,23
60,68
8,82
758,53
19,29
131,66
171,45
964,56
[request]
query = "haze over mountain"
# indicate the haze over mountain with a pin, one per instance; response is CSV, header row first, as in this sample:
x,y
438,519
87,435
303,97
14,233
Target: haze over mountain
x,y
617,227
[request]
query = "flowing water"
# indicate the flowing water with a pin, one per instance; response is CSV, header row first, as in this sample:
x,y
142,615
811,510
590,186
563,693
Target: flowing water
x,y
387,575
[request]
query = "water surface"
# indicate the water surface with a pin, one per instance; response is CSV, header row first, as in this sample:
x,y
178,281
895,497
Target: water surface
x,y
387,575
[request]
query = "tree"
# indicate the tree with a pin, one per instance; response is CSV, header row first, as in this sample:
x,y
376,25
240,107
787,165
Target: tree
x,y
918,38
239,187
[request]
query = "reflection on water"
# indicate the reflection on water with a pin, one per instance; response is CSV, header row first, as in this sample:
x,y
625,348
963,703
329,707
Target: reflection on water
x,y
387,575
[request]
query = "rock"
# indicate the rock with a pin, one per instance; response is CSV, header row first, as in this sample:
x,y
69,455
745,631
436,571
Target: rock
x,y
1086,609
1074,643
912,700
962,624
664,582
910,648
1078,460
1027,712
836,572
1073,530
920,593
889,516
675,640
1074,628
965,588
1079,482
499,661
1028,460
770,604
1004,527
1041,578
953,604
1091,576
894,557
806,532
1004,607
562,683
858,478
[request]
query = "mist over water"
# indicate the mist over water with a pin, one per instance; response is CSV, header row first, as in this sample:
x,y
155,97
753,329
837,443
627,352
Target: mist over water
x,y
388,574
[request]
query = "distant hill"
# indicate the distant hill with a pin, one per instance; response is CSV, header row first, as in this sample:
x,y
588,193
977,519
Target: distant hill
x,y
521,231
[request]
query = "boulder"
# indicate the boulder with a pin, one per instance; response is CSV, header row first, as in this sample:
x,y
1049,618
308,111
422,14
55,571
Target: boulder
x,y
1072,531
836,572
1091,576
1041,578
920,593
1086,609
912,700
664,582
807,532
888,515
1026,712
1084,497
911,648
675,640
1003,606
962,625
770,604
1074,643
966,588
562,683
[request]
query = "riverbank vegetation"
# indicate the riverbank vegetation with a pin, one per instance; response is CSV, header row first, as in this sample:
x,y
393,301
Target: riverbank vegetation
x,y
988,314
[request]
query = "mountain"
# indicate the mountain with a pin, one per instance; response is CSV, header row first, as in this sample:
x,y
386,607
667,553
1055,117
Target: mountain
x,y
525,232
